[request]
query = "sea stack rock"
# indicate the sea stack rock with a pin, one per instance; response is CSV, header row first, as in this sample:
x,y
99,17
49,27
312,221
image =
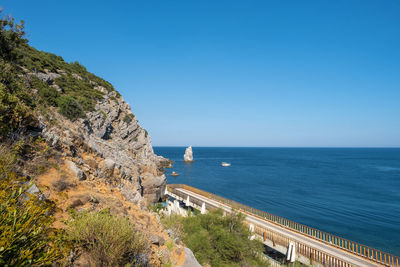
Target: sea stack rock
x,y
188,157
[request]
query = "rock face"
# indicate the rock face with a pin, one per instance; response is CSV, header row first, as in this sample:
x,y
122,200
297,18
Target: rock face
x,y
190,260
78,172
108,144
188,157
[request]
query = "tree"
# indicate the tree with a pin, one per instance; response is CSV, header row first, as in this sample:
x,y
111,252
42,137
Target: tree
x,y
11,36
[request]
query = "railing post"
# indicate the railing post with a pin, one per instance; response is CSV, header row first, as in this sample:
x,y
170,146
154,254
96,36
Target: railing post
x,y
311,257
203,208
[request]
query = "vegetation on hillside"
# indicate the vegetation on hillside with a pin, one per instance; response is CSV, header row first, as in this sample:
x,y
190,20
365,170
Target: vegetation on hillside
x,y
218,240
109,240
16,101
26,235
74,92
28,238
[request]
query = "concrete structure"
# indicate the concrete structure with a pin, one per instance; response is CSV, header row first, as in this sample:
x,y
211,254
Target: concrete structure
x,y
307,245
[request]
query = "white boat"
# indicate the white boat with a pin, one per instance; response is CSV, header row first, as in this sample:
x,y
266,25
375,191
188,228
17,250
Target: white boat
x,y
225,164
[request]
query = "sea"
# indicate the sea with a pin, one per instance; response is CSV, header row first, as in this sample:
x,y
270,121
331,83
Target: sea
x,y
350,192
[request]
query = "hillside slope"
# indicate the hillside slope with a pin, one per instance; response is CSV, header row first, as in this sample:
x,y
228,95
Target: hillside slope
x,y
82,118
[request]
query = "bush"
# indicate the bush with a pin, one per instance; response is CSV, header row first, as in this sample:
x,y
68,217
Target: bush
x,y
11,37
128,118
26,236
109,240
218,240
81,90
48,94
156,207
70,108
14,113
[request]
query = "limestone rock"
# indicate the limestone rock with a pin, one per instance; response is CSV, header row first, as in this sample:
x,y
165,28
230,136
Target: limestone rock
x,y
157,240
151,186
129,192
165,256
76,76
48,78
188,157
110,164
33,189
75,169
190,260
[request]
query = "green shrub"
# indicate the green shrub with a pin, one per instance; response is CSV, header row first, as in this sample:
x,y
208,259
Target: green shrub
x,y
26,236
156,207
47,93
70,108
128,118
11,37
218,240
14,113
109,240
175,223
104,114
81,90
38,61
86,103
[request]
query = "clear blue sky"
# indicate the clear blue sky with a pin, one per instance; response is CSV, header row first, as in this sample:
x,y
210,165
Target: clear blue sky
x,y
237,73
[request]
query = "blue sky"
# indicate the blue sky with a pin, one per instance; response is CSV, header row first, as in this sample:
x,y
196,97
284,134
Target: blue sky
x,y
237,73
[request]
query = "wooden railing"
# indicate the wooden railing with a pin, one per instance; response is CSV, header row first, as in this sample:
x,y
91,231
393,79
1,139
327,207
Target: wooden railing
x,y
333,240
314,255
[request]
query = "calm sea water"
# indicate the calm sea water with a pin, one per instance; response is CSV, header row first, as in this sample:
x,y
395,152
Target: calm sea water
x,y
351,192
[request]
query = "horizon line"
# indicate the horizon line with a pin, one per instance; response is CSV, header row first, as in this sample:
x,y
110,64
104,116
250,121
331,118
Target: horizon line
x,y
395,147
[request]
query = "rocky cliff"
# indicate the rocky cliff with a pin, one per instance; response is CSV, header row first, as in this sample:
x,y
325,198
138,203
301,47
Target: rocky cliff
x,y
79,149
81,116
107,144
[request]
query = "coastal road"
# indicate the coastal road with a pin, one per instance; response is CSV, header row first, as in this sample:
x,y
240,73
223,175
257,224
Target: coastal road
x,y
324,247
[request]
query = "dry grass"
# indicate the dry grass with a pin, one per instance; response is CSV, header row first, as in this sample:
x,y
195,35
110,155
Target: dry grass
x,y
109,240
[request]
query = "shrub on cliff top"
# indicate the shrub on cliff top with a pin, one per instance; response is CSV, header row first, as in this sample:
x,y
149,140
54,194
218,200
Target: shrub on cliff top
x,y
109,240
